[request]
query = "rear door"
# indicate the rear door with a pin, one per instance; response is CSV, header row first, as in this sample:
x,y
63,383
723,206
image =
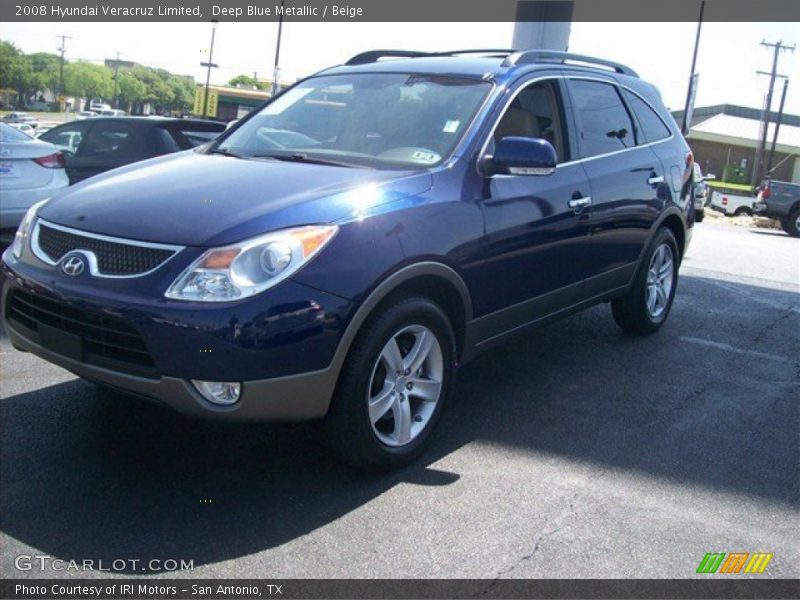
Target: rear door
x,y
627,180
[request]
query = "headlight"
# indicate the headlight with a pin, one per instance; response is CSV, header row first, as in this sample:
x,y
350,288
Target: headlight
x,y
24,229
250,267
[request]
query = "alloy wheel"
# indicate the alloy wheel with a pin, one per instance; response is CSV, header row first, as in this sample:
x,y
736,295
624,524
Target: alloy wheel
x,y
660,277
405,385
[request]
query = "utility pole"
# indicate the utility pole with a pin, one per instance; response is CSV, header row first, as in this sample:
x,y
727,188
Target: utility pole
x,y
209,65
758,166
276,71
690,90
62,49
116,87
777,126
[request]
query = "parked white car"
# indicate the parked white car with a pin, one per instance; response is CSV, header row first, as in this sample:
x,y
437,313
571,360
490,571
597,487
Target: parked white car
x,y
732,204
30,170
85,114
113,112
20,117
24,128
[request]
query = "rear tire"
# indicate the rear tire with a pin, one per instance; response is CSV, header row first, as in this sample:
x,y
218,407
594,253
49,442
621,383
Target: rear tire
x,y
791,224
743,210
645,308
699,215
389,396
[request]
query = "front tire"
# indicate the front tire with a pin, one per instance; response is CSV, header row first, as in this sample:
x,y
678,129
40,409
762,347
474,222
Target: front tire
x,y
644,309
394,384
699,215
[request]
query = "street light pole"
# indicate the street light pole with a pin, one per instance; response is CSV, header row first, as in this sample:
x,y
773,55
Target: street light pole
x,y
209,65
276,70
689,92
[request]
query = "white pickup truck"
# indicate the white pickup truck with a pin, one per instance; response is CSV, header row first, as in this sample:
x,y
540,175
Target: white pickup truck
x,y
732,204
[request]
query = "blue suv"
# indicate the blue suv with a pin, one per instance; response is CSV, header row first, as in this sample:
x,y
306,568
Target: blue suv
x,y
341,251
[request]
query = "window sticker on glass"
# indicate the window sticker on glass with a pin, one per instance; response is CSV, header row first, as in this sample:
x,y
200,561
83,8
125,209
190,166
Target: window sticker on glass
x,y
426,157
451,126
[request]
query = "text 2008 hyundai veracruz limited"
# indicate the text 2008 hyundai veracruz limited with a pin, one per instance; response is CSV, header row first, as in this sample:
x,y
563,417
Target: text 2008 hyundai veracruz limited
x,y
341,251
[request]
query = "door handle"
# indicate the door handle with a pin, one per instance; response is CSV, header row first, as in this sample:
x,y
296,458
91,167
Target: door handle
x,y
656,179
580,202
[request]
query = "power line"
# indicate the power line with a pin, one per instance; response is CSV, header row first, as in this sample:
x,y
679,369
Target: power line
x,y
62,49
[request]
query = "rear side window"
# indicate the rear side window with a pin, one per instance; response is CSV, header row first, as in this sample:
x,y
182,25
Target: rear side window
x,y
651,127
604,123
107,140
67,138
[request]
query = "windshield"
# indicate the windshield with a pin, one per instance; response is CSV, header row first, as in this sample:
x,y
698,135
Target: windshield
x,y
373,120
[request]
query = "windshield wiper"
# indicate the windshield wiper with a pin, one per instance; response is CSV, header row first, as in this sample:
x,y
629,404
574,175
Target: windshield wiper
x,y
305,158
226,152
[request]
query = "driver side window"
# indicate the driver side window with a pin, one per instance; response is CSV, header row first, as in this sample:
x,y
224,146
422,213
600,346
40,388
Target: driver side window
x,y
536,113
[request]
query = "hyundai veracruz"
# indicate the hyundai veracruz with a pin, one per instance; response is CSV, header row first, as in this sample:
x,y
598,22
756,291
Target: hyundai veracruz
x,y
340,252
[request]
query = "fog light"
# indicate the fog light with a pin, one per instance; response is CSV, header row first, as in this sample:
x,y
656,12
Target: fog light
x,y
218,392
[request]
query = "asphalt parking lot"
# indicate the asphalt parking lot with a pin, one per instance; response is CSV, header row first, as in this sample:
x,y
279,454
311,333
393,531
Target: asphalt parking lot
x,y
575,452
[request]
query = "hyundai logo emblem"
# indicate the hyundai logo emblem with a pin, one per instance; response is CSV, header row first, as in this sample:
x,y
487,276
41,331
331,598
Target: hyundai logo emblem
x,y
73,266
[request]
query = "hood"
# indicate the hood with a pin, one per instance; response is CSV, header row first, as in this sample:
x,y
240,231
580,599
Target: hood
x,y
194,199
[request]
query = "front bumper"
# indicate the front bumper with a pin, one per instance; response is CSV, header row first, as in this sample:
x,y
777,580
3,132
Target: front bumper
x,y
279,345
293,398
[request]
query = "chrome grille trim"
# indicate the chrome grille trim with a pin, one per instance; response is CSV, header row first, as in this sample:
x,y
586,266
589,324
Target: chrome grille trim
x,y
90,256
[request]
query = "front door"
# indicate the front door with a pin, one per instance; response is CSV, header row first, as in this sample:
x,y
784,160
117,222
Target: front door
x,y
536,239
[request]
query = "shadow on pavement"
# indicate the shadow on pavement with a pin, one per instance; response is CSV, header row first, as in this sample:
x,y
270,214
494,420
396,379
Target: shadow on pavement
x,y
90,475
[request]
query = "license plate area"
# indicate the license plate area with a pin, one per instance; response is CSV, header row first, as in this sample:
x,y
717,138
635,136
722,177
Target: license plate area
x,y
61,342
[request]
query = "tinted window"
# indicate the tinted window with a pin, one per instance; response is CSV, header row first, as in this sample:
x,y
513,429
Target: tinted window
x,y
605,125
535,113
109,140
651,126
67,138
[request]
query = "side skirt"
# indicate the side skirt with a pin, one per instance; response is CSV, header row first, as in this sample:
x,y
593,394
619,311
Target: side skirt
x,y
498,327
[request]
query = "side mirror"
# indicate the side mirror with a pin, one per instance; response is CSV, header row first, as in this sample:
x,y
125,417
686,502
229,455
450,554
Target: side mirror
x,y
521,156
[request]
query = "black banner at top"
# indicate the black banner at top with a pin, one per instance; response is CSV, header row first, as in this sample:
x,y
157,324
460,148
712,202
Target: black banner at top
x,y
398,10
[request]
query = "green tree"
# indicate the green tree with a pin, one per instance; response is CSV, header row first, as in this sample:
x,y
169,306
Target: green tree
x,y
158,93
15,71
44,72
131,91
183,89
247,81
88,80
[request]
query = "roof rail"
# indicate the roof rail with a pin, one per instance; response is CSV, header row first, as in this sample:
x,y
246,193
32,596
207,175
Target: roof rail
x,y
503,51
525,57
375,55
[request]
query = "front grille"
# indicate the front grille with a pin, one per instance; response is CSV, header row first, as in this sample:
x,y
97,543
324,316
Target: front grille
x,y
113,258
85,335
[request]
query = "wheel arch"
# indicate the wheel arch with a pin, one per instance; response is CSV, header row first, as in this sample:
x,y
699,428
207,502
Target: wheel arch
x,y
673,220
432,279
